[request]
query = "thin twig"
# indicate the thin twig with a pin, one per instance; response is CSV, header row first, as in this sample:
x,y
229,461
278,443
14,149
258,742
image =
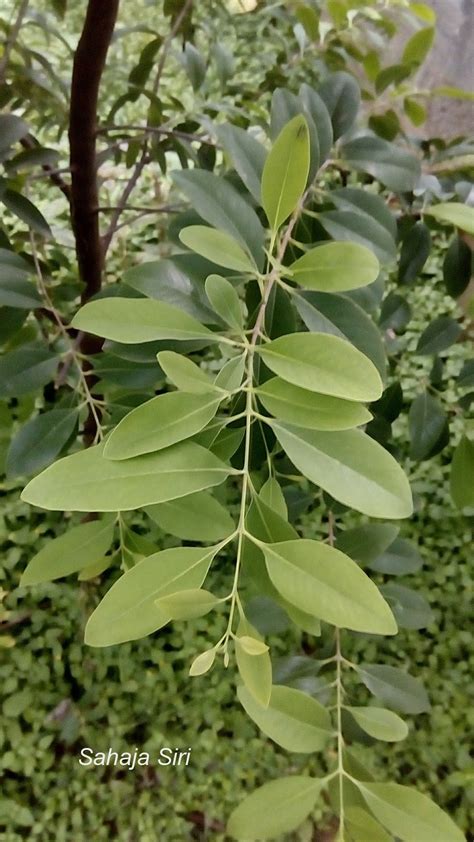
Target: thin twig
x,y
143,160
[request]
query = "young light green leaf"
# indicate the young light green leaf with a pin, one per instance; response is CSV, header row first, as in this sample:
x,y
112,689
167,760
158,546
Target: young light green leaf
x,y
409,814
129,609
186,605
380,723
333,267
275,808
134,320
86,481
324,582
251,645
217,246
292,719
225,301
285,172
254,670
77,548
454,213
323,363
202,663
185,374
310,409
159,423
395,687
196,517
39,441
351,466
418,46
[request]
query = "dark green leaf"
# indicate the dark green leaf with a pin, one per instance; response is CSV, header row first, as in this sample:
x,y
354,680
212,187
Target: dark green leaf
x,y
411,610
396,169
396,688
427,421
399,558
247,155
395,313
25,369
341,95
26,211
362,228
416,247
457,267
439,335
40,441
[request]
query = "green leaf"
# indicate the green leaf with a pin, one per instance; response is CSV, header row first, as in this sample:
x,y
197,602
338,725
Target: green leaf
x,y
335,266
418,46
393,74
457,267
341,95
454,213
350,466
185,374
254,670
415,251
292,719
195,517
396,169
137,320
25,210
222,206
310,409
427,421
129,611
408,814
12,129
323,363
411,610
187,605
217,246
16,290
225,301
354,226
399,558
341,316
247,155
362,827
462,471
76,549
86,481
395,687
251,645
176,281
39,441
272,495
395,313
371,205
366,543
231,374
203,662
439,335
415,111
285,106
159,423
286,171
315,107
26,369
194,65
275,808
380,723
326,583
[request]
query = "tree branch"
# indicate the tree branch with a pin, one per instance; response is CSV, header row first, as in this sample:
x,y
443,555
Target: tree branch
x,y
30,142
89,63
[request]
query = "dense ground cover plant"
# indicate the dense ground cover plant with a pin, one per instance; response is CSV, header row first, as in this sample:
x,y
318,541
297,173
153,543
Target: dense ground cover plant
x,y
266,289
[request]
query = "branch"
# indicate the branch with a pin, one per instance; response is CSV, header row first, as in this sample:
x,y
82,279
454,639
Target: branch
x,y
30,142
89,63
